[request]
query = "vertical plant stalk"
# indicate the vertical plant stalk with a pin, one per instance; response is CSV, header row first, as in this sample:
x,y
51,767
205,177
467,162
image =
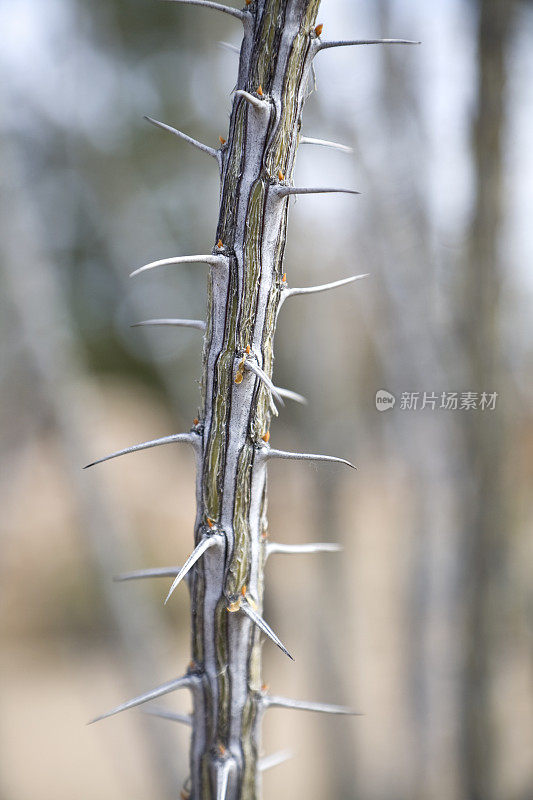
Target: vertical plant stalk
x,y
245,295
246,288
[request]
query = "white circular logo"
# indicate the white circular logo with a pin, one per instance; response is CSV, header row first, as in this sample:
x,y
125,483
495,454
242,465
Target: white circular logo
x,y
384,400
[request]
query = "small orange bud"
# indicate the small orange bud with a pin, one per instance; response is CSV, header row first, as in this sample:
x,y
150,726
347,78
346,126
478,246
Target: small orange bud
x,y
238,377
264,536
233,607
319,29
219,244
248,349
243,590
195,421
281,176
248,2
264,687
260,90
221,749
222,140
266,436
209,522
284,278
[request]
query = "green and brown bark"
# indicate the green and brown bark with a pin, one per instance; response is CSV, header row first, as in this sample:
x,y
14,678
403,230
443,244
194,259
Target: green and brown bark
x,y
244,297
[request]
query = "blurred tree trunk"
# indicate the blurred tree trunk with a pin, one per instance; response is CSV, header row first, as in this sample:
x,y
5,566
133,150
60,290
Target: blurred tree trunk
x,y
483,511
415,356
46,332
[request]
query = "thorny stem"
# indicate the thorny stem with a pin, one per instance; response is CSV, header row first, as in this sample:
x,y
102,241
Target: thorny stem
x,y
246,288
275,63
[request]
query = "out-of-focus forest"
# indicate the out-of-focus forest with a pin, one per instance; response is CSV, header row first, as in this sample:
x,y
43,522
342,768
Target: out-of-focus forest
x,y
424,622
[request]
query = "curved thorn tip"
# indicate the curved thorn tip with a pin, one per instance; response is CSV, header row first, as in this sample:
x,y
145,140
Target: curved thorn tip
x,y
264,626
177,323
204,544
233,12
179,683
176,437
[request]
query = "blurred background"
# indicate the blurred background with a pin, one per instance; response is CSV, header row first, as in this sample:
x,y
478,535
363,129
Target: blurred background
x,y
424,622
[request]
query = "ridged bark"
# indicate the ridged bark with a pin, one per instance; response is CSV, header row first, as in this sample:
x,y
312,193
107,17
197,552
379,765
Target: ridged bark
x,y
244,296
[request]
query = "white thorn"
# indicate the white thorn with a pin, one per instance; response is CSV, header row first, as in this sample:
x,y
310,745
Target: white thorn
x,y
176,437
256,102
321,45
314,547
151,572
179,683
178,323
273,760
269,452
290,395
204,544
212,260
173,716
302,705
264,626
203,147
324,287
231,47
285,191
234,12
222,773
261,374
325,143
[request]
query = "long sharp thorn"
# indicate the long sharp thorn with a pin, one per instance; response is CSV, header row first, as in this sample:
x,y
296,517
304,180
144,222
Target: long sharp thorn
x,y
260,105
325,143
269,452
153,572
264,626
290,395
261,374
314,547
273,760
173,716
302,705
177,323
159,691
204,147
234,12
284,191
231,47
327,45
212,260
203,545
176,437
324,287
222,773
